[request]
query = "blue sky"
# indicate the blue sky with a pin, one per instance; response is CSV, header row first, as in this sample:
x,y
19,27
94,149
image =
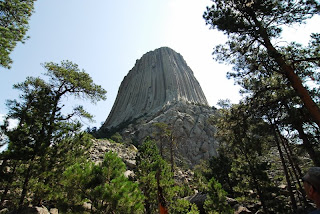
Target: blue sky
x,y
106,37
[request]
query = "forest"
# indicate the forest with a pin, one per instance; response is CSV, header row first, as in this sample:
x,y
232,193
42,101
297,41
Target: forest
x,y
266,141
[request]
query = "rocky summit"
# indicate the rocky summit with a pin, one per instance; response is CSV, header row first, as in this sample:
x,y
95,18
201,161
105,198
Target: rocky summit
x,y
161,88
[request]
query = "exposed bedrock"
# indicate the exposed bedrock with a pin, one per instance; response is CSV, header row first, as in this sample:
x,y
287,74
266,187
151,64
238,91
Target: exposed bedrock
x,y
162,88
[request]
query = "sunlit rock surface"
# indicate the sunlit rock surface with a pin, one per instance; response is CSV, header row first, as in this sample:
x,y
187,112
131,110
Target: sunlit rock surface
x,y
159,78
162,88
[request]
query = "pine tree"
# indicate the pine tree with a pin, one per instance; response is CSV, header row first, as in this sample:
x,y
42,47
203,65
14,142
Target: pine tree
x,y
220,168
14,23
166,139
104,185
73,148
147,163
156,180
216,202
252,27
245,139
42,127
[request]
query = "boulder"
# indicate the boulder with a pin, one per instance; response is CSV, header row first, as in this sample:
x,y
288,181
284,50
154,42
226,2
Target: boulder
x,y
241,210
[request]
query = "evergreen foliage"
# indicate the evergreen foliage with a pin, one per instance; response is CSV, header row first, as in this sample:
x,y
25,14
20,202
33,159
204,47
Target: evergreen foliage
x,y
37,147
219,168
156,181
166,139
280,108
147,166
14,23
252,27
245,140
116,137
216,202
104,185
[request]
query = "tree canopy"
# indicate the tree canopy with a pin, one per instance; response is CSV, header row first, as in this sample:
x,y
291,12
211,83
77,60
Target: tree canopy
x,y
104,185
252,27
36,146
14,24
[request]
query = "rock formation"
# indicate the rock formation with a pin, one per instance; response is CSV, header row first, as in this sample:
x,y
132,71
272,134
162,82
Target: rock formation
x,y
162,88
160,77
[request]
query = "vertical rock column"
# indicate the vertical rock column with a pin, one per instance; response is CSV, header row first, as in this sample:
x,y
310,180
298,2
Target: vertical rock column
x,y
159,78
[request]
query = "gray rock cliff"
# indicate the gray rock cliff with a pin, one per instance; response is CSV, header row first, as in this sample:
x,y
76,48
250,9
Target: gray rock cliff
x,y
162,88
160,77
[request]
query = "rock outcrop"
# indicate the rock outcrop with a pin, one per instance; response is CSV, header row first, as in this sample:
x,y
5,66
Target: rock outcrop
x,y
192,132
159,78
126,152
161,88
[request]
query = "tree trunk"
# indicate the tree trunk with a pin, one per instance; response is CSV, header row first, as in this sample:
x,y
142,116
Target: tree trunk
x,y
25,185
161,146
289,73
285,170
256,183
294,167
307,144
161,200
297,124
172,154
147,206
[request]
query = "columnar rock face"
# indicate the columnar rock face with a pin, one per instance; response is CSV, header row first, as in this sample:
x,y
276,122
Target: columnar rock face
x,y
160,77
161,88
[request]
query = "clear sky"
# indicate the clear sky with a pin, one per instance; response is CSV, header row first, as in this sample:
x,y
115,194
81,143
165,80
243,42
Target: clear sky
x,y
106,37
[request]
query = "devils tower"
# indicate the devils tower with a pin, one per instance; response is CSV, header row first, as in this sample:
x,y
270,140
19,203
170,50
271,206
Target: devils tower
x,y
161,88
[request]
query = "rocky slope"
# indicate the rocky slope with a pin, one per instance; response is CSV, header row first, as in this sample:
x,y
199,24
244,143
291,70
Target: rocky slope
x,y
128,152
192,132
162,88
